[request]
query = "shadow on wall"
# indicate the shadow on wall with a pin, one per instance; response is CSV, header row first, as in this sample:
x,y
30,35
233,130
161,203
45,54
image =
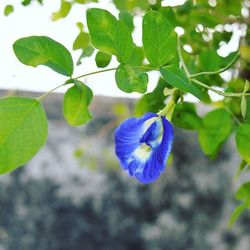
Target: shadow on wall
x,y
60,202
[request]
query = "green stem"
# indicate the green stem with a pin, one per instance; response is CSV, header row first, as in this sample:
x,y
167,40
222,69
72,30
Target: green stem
x,y
94,72
181,58
111,69
233,116
218,91
49,92
218,71
169,109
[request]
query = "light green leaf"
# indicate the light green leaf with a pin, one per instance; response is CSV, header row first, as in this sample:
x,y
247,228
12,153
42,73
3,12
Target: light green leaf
x,y
236,214
243,103
76,101
63,12
216,127
243,192
85,53
129,79
23,131
178,79
159,39
8,9
82,41
42,50
109,35
243,106
102,59
243,165
243,141
86,1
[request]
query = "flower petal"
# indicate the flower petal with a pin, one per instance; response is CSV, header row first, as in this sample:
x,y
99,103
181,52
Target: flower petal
x,y
127,137
154,166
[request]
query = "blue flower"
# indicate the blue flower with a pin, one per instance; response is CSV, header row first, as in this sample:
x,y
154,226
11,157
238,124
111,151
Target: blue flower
x,y
143,146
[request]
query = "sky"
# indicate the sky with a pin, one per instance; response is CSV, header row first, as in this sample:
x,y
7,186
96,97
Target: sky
x,y
36,20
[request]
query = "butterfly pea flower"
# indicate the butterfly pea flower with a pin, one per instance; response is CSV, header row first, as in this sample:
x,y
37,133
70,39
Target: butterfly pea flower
x,y
143,145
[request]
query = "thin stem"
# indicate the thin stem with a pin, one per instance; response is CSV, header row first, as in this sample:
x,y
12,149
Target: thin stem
x,y
218,91
233,116
94,72
169,109
217,71
111,69
181,58
49,92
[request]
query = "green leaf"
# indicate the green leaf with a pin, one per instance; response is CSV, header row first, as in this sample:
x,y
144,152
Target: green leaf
x,y
129,79
243,192
82,41
243,165
243,106
23,131
178,79
153,101
130,5
243,103
216,127
63,12
127,18
109,35
243,141
42,50
185,116
86,1
102,59
210,60
137,56
76,101
159,39
8,9
85,53
236,214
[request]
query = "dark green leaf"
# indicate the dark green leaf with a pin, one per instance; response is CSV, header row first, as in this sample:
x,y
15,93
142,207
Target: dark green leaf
x,y
76,101
42,50
185,116
243,141
129,79
102,59
210,60
153,101
178,79
159,39
109,35
23,129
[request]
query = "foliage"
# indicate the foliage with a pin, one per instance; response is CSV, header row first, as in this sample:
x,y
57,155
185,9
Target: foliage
x,y
188,64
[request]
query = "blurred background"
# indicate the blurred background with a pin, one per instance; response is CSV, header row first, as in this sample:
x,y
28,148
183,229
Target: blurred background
x,y
73,194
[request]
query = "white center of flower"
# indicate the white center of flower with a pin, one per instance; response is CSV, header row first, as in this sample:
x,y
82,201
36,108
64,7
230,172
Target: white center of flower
x,y
143,152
